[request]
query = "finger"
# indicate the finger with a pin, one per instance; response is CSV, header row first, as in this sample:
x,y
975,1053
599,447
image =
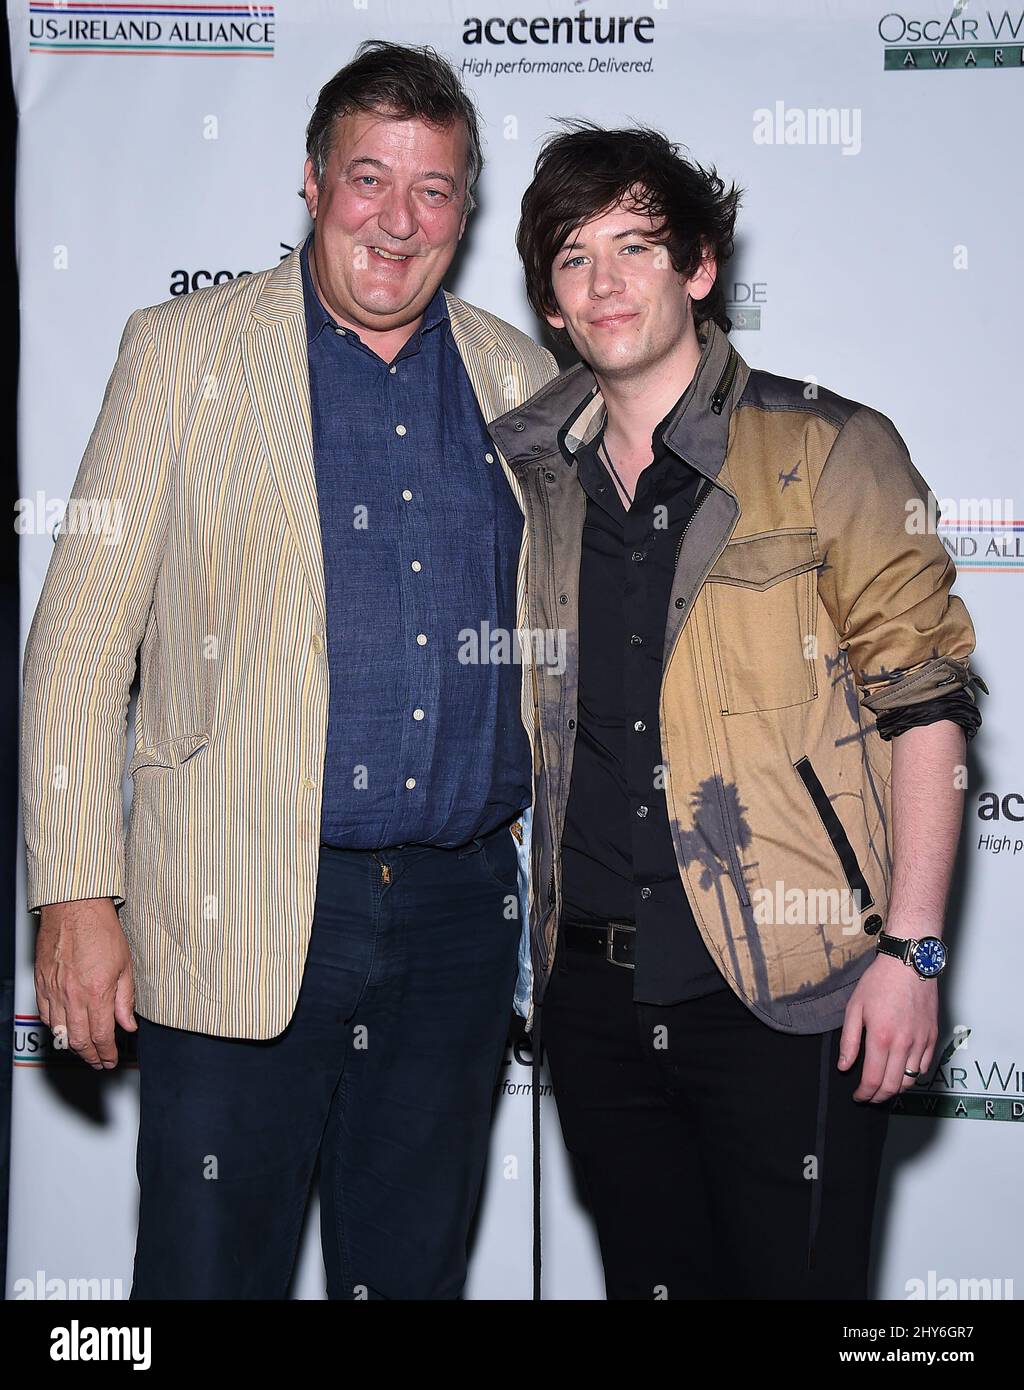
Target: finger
x,y
915,1064
876,1057
80,1034
58,1024
926,1057
101,1030
849,1041
896,1065
43,1003
124,1000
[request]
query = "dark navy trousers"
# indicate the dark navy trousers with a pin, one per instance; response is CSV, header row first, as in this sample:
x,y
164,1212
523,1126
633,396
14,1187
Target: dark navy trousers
x,y
386,1072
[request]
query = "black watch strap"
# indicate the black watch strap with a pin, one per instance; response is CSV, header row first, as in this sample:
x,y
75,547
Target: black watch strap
x,y
898,946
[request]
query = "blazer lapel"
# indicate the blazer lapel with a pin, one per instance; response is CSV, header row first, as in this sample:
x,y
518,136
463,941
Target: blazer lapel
x,y
277,374
488,364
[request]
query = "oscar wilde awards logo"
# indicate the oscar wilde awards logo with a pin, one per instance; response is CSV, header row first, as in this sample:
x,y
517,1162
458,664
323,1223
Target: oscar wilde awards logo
x,y
745,302
965,1085
962,39
620,41
151,30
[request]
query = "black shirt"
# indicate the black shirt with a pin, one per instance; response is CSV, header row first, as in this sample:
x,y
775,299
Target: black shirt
x,y
618,859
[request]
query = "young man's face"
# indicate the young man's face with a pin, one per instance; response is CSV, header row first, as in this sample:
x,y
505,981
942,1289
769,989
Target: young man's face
x,y
389,214
619,299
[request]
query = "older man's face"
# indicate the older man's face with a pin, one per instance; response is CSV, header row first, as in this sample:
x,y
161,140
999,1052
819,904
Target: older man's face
x,y
389,214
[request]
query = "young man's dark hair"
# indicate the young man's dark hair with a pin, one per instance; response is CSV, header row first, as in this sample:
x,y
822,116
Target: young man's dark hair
x,y
405,81
586,170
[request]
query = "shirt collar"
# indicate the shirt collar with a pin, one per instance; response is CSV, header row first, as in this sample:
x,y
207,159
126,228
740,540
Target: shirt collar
x,y
317,317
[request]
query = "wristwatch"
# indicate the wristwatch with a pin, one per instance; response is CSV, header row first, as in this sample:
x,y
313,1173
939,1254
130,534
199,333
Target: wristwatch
x,y
928,955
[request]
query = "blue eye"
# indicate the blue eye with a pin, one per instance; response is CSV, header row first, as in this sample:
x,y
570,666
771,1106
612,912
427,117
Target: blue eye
x,y
572,261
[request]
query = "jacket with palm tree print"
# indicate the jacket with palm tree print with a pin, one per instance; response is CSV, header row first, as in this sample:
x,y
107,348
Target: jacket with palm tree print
x,y
806,607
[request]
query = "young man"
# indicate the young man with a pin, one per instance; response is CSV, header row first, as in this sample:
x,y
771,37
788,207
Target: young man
x,y
316,880
748,799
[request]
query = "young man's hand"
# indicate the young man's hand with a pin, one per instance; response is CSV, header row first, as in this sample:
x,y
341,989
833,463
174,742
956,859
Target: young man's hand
x,y
900,1012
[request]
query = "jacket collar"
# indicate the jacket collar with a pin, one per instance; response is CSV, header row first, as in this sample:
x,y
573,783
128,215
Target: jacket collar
x,y
570,410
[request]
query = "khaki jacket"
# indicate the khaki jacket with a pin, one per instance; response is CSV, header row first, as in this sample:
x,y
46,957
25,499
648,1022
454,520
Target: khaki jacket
x,y
216,581
802,606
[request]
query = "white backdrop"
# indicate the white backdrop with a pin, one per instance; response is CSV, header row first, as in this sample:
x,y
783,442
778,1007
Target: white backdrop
x,y
879,251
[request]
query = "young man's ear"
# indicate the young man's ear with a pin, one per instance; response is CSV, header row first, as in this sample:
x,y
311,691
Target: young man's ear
x,y
555,320
702,283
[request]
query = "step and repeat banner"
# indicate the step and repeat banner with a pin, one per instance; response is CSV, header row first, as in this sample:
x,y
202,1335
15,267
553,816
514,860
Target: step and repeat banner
x,y
161,150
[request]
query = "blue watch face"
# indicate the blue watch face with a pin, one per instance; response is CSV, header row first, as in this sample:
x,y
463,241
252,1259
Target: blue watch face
x,y
929,956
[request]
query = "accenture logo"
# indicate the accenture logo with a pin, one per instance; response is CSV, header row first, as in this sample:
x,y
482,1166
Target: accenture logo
x,y
579,28
576,33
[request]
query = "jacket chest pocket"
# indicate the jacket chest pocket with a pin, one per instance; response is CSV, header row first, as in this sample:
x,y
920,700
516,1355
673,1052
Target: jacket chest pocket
x,y
762,609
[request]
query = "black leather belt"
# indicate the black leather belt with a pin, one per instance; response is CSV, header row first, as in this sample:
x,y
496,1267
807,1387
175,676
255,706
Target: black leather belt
x,y
616,941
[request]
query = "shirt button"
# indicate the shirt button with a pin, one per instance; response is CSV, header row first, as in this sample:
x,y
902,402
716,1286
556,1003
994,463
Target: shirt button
x,y
340,332
309,784
417,714
637,555
640,726
641,811
316,644
392,370
410,782
636,640
407,494
416,566
488,458
399,429
645,893
421,639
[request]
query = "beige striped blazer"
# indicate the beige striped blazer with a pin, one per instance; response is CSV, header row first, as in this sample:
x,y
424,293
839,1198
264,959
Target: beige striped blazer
x,y
209,570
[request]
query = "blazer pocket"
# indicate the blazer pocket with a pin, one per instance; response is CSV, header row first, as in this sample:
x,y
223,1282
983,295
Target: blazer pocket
x,y
836,832
762,609
170,753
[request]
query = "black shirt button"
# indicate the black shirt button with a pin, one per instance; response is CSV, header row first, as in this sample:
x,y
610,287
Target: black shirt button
x,y
637,555
636,640
563,598
645,893
570,723
680,603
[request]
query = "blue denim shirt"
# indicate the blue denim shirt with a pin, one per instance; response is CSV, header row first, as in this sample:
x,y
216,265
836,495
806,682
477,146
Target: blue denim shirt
x,y
421,537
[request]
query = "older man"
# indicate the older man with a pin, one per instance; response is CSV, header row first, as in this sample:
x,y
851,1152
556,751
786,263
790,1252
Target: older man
x,y
318,889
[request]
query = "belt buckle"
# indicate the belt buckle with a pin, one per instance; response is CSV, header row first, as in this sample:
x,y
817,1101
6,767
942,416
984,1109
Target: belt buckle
x,y
610,943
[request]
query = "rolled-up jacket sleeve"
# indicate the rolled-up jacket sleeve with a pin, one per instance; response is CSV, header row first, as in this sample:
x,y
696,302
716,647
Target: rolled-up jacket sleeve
x,y
885,581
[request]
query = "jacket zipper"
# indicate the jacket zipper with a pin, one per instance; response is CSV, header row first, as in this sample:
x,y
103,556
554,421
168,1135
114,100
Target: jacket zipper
x,y
725,383
701,494
552,896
